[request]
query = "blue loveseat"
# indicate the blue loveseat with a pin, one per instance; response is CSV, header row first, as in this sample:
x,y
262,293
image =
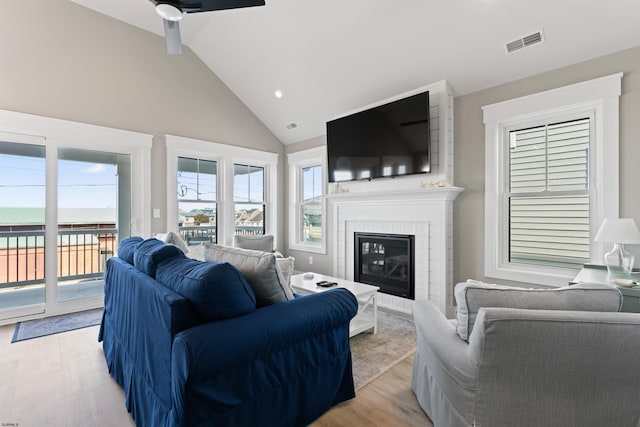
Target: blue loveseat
x,y
188,345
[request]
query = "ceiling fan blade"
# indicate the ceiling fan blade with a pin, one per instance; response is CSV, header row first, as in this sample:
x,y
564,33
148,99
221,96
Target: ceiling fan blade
x,y
168,9
210,5
195,6
172,36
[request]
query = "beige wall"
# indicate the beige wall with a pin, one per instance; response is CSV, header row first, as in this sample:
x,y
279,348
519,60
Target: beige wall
x,y
469,155
61,60
468,224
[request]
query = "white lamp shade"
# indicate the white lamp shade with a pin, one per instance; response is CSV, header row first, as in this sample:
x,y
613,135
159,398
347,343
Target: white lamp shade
x,y
618,230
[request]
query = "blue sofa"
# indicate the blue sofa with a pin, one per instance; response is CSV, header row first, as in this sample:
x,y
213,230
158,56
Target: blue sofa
x,y
188,345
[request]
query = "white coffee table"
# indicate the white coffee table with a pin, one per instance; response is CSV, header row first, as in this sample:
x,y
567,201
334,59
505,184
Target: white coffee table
x,y
365,294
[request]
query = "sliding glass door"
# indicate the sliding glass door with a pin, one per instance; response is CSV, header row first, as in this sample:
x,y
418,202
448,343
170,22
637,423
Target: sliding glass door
x,y
94,194
66,199
22,226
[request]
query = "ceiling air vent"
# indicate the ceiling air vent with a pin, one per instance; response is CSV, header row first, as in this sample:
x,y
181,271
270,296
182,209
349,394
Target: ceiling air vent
x,y
525,41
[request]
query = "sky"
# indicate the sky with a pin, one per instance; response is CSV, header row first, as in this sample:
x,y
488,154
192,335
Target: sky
x,y
80,184
94,185
312,183
247,187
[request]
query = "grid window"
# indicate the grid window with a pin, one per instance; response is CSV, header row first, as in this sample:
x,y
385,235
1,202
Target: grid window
x,y
311,204
548,194
249,199
197,187
307,207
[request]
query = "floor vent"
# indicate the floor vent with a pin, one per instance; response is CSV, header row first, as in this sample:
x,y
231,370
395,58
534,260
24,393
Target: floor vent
x,y
525,41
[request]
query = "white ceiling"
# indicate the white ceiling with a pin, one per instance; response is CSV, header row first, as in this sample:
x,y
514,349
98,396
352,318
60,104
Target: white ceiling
x,y
330,57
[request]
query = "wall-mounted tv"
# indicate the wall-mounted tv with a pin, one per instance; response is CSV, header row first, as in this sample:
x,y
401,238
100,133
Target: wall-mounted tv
x,y
385,141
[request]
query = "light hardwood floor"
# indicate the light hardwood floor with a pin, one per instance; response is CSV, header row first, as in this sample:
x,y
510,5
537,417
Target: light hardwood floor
x,y
62,380
386,401
58,380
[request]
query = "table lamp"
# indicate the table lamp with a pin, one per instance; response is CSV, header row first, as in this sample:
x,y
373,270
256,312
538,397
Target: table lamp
x,y
619,231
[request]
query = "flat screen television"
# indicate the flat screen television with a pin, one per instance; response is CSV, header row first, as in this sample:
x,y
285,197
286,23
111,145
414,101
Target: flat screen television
x,y
389,140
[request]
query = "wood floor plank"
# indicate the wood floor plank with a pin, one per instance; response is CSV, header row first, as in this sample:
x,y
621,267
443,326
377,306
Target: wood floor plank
x,y
62,380
58,380
386,401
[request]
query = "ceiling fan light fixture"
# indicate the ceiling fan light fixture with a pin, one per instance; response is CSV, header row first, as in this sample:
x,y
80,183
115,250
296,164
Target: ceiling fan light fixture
x,y
169,12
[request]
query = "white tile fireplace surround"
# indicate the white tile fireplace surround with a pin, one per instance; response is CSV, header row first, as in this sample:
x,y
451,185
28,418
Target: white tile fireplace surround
x,y
424,213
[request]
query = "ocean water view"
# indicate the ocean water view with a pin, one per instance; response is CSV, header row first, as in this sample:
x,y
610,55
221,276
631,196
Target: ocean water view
x,y
29,224
67,216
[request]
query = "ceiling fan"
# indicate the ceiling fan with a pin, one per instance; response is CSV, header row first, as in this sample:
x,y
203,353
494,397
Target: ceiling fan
x,y
172,12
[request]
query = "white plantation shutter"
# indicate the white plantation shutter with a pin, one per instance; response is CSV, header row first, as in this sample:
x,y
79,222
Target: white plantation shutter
x,y
548,196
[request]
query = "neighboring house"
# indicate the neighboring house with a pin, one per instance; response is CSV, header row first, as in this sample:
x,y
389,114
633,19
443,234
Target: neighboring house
x,y
249,217
190,219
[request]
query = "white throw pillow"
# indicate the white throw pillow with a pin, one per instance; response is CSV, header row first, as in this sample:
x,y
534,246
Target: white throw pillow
x,y
285,265
196,252
173,238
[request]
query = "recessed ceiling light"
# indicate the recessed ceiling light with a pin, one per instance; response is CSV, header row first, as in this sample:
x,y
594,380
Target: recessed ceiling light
x,y
278,93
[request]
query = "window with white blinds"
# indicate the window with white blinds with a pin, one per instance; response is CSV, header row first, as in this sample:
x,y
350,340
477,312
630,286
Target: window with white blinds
x,y
551,178
548,194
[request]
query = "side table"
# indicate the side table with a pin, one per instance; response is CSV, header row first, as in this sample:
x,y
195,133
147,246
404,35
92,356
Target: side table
x,y
598,274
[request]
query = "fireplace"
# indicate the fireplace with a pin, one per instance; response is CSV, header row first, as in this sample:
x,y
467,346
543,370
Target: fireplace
x,y
387,261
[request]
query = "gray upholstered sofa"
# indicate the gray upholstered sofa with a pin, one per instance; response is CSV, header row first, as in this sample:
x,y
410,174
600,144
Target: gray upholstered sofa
x,y
528,366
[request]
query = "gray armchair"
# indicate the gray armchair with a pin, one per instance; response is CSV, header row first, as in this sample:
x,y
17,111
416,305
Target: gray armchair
x,y
530,367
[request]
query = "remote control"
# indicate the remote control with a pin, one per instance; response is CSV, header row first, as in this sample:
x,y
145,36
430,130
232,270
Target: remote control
x,y
326,284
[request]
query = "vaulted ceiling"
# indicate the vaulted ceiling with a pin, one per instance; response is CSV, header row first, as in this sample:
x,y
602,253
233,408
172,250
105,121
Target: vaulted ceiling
x,y
329,57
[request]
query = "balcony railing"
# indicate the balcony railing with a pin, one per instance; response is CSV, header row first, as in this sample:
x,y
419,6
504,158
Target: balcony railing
x,y
82,254
249,230
199,234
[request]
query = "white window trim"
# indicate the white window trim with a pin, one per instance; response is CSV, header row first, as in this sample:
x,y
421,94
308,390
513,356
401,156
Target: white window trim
x,y
226,156
297,161
54,133
599,95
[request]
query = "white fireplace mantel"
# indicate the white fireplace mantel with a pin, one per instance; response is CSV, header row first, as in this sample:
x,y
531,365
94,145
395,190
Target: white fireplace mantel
x,y
428,194
412,204
426,213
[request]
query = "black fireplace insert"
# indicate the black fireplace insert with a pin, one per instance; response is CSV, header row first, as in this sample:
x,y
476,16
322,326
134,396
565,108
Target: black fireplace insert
x,y
387,261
